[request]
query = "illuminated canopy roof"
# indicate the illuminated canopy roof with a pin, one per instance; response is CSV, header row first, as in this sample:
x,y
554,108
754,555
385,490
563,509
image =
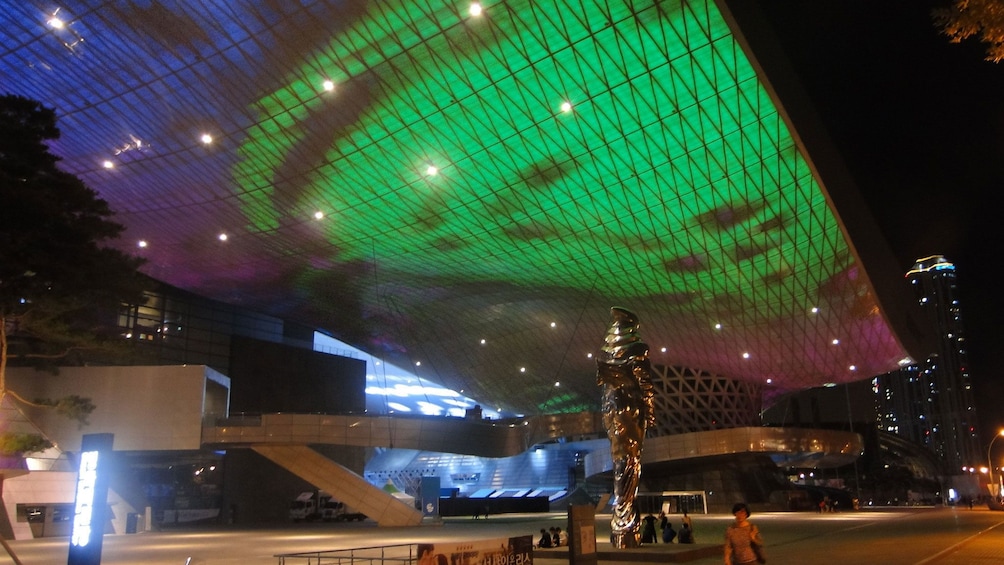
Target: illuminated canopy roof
x,y
467,190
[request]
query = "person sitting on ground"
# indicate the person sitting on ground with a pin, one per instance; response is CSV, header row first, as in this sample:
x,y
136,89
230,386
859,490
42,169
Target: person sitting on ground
x,y
668,533
562,538
545,539
686,535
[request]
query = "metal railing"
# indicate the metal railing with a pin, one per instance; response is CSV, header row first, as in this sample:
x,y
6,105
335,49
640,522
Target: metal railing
x,y
401,554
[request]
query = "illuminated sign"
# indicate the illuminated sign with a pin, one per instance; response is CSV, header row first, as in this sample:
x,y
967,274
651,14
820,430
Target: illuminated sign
x,y
83,511
91,500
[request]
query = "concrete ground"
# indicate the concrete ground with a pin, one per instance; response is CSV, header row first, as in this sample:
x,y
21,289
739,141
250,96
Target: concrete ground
x,y
895,536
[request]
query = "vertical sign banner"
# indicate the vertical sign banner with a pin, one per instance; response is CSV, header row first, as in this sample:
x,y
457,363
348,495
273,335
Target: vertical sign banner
x,y
91,500
430,497
582,535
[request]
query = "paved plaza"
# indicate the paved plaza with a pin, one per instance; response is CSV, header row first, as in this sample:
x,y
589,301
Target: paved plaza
x,y
899,536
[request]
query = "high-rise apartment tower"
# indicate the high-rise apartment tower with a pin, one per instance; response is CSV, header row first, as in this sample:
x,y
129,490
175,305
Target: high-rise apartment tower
x,y
932,402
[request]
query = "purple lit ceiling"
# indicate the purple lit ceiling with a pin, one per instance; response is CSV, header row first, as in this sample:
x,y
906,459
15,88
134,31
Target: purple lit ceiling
x,y
469,190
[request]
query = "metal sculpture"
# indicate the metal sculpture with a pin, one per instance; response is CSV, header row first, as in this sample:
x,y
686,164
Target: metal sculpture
x,y
625,373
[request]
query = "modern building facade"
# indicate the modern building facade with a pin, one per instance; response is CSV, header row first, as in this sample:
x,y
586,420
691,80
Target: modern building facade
x,y
467,190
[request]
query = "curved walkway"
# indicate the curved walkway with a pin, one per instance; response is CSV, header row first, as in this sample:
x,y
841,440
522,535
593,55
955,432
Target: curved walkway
x,y
505,438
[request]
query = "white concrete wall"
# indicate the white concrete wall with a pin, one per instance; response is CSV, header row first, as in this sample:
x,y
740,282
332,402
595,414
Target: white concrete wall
x,y
147,408
54,487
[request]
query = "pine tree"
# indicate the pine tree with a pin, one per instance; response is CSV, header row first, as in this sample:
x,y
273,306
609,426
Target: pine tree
x,y
60,282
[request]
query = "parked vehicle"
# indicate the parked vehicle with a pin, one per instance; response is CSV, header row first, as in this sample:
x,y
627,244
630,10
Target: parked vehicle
x,y
334,511
308,505
319,505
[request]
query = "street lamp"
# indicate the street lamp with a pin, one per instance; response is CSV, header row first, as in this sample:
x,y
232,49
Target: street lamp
x,y
990,463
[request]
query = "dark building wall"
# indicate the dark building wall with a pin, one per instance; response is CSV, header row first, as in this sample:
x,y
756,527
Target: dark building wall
x,y
726,479
257,491
293,332
272,377
824,407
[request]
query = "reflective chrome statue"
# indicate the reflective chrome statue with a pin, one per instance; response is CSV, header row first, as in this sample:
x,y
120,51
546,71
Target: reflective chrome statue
x,y
624,372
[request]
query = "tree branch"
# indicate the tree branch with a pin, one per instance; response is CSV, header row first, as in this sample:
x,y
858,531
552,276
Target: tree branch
x,y
23,400
64,353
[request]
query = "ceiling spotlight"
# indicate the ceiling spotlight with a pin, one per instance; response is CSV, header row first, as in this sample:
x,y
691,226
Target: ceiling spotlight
x,y
418,363
432,170
566,106
554,325
222,237
814,310
318,215
557,383
746,355
853,367
718,326
835,342
206,139
663,350
328,85
522,369
108,164
141,243
475,9
483,341
55,22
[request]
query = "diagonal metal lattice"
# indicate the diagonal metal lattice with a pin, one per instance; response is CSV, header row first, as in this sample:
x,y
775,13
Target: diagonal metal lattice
x,y
503,177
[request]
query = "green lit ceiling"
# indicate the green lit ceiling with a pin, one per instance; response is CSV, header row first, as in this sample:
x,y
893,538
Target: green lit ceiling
x,y
504,177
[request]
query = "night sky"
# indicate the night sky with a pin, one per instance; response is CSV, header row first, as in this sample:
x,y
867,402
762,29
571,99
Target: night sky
x,y
920,123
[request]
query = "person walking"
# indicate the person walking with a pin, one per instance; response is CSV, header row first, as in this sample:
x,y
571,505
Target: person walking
x,y
743,544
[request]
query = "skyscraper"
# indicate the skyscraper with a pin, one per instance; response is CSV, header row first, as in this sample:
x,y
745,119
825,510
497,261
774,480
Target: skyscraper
x,y
932,402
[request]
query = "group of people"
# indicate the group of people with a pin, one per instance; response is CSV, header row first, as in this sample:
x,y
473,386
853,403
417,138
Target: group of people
x,y
743,543
668,534
827,505
552,537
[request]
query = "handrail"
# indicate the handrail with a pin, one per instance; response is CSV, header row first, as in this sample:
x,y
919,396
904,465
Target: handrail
x,y
375,555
